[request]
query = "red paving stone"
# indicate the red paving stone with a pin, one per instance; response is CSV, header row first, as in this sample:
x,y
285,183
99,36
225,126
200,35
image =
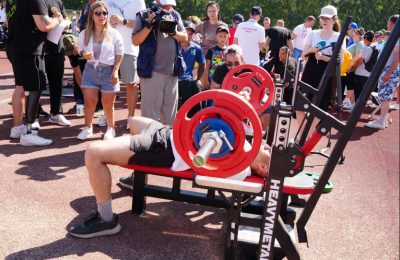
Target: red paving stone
x,y
45,190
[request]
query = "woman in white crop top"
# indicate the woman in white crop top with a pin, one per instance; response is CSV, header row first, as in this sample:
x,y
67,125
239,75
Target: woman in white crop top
x,y
102,47
317,57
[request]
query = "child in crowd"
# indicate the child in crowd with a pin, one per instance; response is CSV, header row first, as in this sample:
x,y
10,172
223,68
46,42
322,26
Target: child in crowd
x,y
215,54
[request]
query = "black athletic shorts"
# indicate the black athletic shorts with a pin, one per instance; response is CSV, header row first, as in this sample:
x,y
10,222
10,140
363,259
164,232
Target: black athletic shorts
x,y
153,146
29,71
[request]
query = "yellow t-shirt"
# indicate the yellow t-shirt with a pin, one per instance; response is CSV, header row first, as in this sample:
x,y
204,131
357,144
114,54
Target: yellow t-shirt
x,y
347,58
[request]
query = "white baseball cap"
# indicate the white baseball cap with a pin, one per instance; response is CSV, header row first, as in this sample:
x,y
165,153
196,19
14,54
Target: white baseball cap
x,y
168,2
328,11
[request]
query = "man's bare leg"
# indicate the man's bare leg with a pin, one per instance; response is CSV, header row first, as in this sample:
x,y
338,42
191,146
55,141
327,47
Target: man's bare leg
x,y
115,152
18,99
132,94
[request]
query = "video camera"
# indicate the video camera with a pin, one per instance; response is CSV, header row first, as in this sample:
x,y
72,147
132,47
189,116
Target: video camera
x,y
162,20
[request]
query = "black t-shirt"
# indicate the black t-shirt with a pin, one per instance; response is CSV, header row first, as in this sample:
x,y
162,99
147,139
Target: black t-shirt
x,y
24,36
220,72
279,37
51,47
76,61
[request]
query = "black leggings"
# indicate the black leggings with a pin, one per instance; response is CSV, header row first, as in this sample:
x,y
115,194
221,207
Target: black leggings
x,y
55,74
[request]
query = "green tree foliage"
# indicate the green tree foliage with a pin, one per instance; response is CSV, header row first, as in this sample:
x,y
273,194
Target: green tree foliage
x,y
371,14
74,4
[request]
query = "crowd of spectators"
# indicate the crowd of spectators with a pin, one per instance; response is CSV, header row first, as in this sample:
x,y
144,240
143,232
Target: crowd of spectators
x,y
148,57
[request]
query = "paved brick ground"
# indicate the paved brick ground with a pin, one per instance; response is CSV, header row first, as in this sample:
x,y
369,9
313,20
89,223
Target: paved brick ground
x,y
45,190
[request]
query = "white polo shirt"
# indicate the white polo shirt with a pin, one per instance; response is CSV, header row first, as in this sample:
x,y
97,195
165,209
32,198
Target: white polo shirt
x,y
249,35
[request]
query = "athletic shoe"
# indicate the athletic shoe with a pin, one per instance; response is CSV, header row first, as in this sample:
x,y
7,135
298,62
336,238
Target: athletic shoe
x,y
85,133
95,226
348,106
33,139
101,121
127,181
59,120
99,113
375,124
394,106
35,125
17,131
127,126
110,134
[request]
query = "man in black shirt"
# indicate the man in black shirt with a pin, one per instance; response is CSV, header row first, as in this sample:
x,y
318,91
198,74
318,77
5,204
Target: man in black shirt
x,y
29,22
280,69
279,36
233,58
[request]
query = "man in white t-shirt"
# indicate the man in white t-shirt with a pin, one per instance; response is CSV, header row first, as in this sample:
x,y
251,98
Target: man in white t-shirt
x,y
122,17
251,37
299,36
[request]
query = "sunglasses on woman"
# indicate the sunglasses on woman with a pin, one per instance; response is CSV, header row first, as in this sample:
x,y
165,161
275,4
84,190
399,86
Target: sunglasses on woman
x,y
99,13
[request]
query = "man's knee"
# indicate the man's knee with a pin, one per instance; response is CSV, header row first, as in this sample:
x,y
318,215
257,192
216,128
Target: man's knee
x,y
93,152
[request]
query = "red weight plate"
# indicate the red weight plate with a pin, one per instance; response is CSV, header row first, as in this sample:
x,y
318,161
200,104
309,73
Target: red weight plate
x,y
255,78
232,109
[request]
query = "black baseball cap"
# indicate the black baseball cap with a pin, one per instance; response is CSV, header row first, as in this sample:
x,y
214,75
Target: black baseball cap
x,y
189,25
256,10
238,18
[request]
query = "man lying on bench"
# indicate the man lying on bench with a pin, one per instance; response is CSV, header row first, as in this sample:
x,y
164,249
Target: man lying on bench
x,y
149,144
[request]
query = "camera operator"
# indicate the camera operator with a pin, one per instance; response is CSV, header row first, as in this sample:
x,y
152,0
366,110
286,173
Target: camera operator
x,y
158,32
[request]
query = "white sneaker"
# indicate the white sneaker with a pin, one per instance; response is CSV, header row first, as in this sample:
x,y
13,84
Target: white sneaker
x,y
348,106
375,124
33,139
85,133
36,125
101,121
394,106
59,120
17,131
110,134
128,126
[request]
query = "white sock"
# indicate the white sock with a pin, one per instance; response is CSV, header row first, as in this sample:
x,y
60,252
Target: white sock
x,y
105,210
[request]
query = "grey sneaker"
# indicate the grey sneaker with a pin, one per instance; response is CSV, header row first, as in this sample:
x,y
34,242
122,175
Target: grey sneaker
x,y
127,181
95,226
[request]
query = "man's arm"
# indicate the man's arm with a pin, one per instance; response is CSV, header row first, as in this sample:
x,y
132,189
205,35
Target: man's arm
x,y
394,64
200,71
214,85
46,23
180,36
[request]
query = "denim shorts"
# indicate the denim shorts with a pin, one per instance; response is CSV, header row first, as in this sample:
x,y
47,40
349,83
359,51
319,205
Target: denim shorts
x,y
99,78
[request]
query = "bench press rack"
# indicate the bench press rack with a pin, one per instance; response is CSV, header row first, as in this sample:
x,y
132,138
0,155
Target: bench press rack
x,y
287,160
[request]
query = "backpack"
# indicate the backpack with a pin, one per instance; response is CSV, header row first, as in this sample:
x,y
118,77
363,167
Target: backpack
x,y
369,65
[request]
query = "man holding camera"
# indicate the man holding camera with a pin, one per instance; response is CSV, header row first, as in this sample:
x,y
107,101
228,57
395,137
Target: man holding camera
x,y
158,32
